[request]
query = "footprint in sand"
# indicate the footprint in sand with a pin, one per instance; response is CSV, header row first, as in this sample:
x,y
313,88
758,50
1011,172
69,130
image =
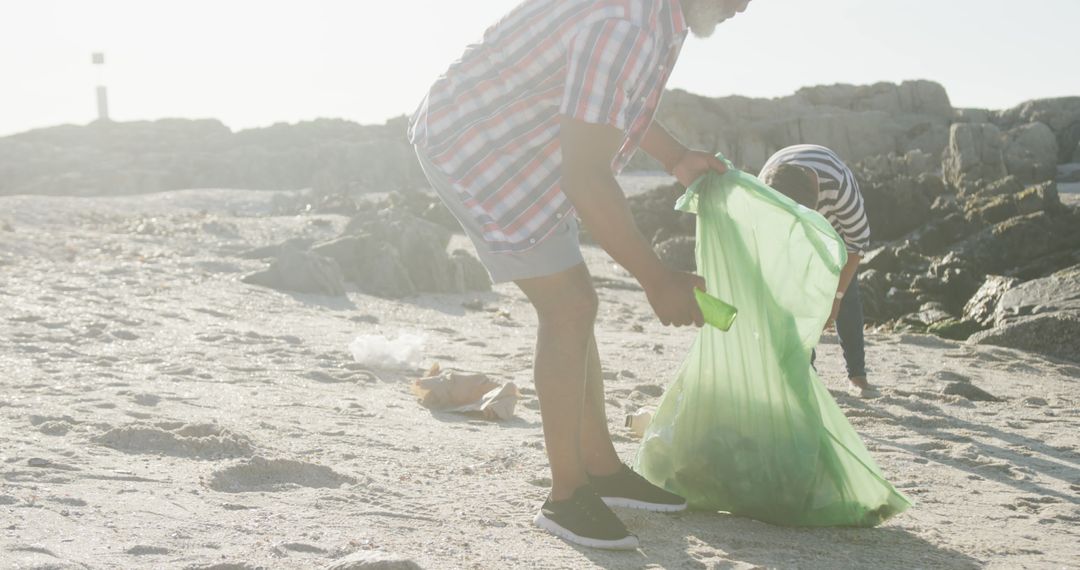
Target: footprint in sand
x,y
302,547
970,455
123,334
337,377
949,376
142,550
213,313
146,399
195,441
224,566
25,319
273,475
177,370
67,501
53,425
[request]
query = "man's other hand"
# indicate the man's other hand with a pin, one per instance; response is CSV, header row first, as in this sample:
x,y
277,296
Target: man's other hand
x,y
672,298
694,164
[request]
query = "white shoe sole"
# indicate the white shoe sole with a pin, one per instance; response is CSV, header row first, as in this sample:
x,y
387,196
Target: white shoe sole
x,y
628,543
642,505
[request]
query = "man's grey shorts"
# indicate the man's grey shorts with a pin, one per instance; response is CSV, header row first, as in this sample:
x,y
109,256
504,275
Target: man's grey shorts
x,y
558,252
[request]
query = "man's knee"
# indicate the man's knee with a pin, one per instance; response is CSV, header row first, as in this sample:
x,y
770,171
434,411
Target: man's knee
x,y
577,306
564,299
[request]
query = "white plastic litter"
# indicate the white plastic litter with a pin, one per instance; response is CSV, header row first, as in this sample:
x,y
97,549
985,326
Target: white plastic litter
x,y
380,351
639,421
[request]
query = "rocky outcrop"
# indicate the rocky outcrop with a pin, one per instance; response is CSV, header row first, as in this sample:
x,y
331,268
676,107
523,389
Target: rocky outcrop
x,y
963,204
954,196
856,121
112,158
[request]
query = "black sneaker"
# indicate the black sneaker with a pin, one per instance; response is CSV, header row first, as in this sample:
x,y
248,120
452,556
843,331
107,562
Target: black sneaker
x,y
628,489
584,519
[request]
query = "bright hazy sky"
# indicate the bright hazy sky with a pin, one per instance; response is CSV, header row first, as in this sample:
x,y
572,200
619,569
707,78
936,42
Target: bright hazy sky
x,y
257,62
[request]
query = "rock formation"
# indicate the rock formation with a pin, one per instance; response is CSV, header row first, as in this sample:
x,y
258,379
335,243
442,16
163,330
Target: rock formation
x,y
964,204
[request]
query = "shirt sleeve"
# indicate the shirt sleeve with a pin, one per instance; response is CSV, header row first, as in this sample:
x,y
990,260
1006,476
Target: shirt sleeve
x,y
605,62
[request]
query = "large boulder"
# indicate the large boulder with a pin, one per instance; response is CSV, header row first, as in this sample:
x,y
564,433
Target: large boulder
x,y
1061,114
975,156
1052,334
1031,153
301,272
392,253
982,307
1008,245
1041,315
1056,293
373,265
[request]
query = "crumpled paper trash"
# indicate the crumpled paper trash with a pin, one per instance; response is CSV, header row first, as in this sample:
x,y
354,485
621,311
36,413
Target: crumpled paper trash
x,y
454,391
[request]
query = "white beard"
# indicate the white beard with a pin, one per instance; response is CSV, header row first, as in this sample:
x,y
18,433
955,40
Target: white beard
x,y
702,16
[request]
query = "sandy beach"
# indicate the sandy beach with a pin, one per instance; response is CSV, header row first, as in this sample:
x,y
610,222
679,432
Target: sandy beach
x,y
157,412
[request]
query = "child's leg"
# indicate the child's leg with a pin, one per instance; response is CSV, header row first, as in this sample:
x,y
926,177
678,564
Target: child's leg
x,y
566,310
849,327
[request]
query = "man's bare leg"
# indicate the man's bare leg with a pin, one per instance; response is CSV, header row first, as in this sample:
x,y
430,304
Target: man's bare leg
x,y
565,306
597,451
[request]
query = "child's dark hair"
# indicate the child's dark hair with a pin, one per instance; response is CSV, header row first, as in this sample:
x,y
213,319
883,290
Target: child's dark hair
x,y
794,182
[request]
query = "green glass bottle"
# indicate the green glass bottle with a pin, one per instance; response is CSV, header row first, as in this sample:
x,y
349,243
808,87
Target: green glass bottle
x,y
716,312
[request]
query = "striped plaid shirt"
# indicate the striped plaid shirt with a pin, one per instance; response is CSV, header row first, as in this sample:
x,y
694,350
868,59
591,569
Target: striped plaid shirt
x,y
491,122
839,199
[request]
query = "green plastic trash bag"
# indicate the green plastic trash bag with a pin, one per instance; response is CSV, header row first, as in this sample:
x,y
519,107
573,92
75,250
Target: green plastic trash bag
x,y
747,427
